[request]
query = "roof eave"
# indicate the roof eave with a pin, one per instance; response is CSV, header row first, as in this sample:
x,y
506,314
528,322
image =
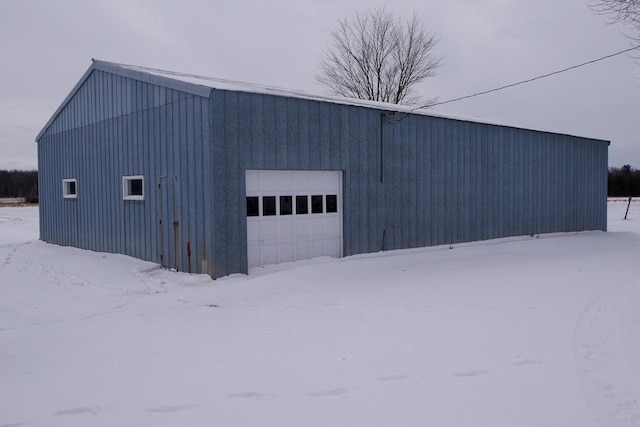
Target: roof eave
x,y
108,67
75,89
194,89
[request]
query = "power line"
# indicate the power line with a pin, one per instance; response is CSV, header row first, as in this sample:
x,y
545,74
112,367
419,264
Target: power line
x,y
296,92
532,79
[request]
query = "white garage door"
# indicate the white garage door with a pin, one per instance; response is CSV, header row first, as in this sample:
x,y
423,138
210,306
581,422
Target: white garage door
x,y
293,215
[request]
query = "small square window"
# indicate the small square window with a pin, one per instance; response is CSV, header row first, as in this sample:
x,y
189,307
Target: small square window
x,y
316,204
302,205
286,205
252,206
332,203
268,205
133,187
70,188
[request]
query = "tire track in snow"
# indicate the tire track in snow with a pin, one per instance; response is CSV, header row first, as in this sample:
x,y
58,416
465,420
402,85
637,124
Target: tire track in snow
x,y
610,385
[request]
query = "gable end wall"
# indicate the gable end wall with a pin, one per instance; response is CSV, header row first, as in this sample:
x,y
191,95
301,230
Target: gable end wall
x,y
116,126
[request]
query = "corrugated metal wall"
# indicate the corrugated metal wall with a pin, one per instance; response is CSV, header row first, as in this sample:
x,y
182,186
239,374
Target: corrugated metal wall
x,y
112,127
409,180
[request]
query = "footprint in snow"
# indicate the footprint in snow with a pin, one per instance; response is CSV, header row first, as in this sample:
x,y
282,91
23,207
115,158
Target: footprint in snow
x,y
331,392
248,395
393,378
171,408
78,411
474,373
528,362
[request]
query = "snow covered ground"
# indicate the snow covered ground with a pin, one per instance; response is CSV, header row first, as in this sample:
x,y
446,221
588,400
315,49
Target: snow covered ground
x,y
527,331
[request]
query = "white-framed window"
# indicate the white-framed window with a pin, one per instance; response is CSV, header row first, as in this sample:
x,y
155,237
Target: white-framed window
x,y
133,187
70,188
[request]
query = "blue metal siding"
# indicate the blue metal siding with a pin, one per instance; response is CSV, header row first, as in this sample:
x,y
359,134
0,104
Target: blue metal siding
x,y
445,181
115,126
408,180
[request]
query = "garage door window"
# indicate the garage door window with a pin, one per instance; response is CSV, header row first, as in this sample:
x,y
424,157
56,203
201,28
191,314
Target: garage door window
x,y
286,205
316,204
269,206
332,203
319,204
252,206
301,205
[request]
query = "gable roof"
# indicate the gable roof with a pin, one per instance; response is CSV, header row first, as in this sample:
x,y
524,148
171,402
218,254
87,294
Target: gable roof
x,y
129,72
202,85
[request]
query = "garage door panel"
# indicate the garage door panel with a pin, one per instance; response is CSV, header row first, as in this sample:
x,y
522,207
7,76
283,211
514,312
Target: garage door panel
x,y
285,230
301,227
267,181
317,183
301,182
253,184
253,229
286,252
268,230
285,182
269,253
332,182
253,254
332,224
316,248
302,250
332,247
293,231
316,226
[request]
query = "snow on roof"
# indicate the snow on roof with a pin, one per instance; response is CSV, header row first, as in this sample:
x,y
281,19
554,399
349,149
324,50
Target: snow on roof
x,y
202,85
238,86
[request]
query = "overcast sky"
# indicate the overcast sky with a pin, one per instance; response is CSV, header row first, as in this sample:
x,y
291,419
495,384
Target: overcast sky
x,y
46,46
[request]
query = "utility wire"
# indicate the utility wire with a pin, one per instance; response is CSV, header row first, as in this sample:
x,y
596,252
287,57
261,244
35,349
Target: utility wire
x,y
296,92
530,80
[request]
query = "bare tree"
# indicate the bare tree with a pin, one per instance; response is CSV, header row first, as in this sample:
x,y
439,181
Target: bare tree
x,y
378,57
620,11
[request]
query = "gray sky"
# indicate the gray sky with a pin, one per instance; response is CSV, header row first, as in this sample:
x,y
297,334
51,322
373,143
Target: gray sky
x,y
46,46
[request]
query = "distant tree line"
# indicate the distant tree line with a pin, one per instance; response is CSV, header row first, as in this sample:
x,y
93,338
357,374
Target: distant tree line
x,y
624,181
15,183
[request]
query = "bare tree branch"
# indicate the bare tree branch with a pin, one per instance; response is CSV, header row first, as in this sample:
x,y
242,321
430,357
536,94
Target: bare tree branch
x,y
626,12
377,57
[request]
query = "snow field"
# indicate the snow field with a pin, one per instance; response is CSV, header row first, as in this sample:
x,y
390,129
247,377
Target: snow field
x,y
520,331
